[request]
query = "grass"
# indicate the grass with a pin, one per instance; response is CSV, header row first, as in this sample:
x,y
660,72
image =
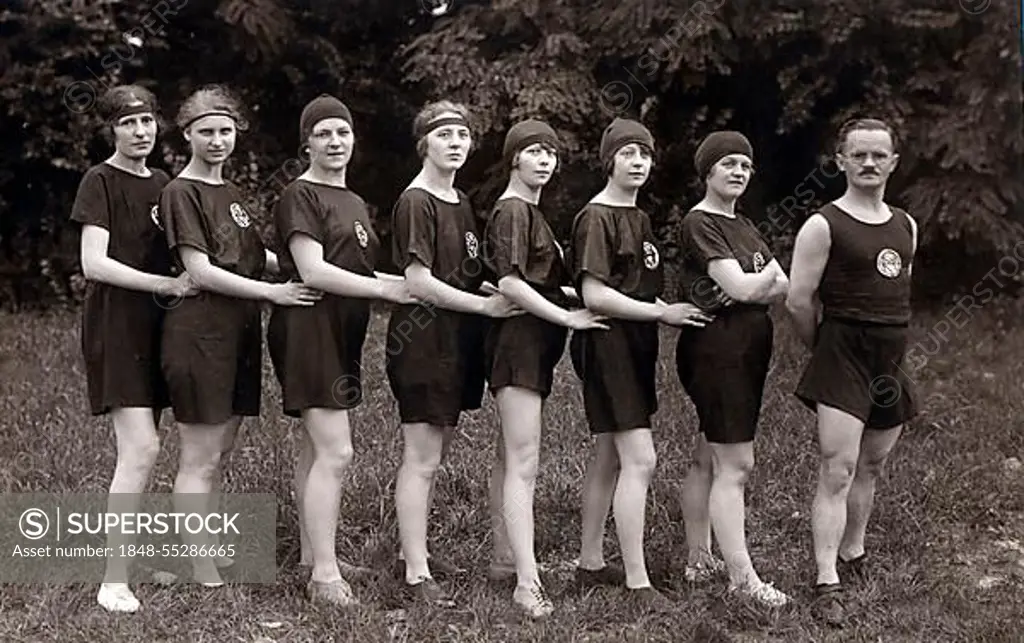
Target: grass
x,y
947,512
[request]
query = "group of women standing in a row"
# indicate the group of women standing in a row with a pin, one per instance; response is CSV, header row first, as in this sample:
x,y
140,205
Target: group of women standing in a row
x,y
202,355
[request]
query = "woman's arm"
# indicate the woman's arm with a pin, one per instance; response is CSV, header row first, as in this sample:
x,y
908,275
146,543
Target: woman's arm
x,y
740,286
317,273
98,266
224,282
605,300
424,286
516,290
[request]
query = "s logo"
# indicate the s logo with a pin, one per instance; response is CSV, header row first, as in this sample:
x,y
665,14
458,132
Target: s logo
x,y
154,215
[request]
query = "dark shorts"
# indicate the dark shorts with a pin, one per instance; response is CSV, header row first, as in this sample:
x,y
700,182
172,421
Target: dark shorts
x,y
435,363
212,355
618,368
120,339
523,351
856,367
317,353
723,367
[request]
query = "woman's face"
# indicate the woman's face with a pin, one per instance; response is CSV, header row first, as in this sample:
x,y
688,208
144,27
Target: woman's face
x,y
536,164
729,177
448,146
631,166
135,135
212,138
330,144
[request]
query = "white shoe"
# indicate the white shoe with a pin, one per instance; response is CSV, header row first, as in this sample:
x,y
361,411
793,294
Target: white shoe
x,y
764,593
117,597
533,600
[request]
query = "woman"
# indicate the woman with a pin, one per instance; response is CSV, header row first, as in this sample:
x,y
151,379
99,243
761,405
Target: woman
x,y
618,273
730,270
125,259
435,363
327,241
522,352
212,344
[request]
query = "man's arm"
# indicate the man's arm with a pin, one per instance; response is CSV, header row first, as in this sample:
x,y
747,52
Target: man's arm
x,y
810,255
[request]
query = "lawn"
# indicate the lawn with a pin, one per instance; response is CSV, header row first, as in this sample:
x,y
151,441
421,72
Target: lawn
x,y
945,539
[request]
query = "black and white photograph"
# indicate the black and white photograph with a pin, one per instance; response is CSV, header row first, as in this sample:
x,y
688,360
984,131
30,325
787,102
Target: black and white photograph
x,y
512,320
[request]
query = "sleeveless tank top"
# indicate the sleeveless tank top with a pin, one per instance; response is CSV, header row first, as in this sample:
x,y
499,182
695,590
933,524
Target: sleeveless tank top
x,y
867,276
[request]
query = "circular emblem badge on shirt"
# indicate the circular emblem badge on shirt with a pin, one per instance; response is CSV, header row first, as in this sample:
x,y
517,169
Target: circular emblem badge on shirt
x,y
240,216
651,257
154,215
758,262
472,245
361,235
888,263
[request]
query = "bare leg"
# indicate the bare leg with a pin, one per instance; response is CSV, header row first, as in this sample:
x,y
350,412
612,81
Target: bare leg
x,y
421,457
331,435
732,466
839,436
303,463
875,447
199,465
598,490
696,496
138,446
638,460
501,555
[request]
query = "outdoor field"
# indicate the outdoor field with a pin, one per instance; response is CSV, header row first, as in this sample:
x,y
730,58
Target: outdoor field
x,y
946,542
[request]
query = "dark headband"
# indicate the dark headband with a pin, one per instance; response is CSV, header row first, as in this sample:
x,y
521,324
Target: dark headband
x,y
441,122
210,112
131,109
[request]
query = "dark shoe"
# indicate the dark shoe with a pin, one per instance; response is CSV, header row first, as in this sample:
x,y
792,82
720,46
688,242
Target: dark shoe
x,y
648,599
428,591
352,572
356,572
854,569
608,575
337,593
828,604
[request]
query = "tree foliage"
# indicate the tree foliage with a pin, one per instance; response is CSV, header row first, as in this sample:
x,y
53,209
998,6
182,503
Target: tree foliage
x,y
785,72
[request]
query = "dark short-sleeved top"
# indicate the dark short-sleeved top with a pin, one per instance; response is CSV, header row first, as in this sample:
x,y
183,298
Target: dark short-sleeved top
x,y
442,236
704,237
867,277
212,219
334,216
520,242
125,205
616,245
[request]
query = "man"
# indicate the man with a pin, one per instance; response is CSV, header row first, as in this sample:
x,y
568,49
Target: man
x,y
850,300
